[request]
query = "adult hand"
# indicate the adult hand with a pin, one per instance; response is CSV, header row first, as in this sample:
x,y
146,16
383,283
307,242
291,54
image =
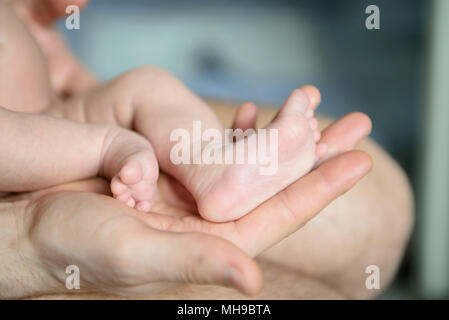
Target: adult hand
x,y
122,251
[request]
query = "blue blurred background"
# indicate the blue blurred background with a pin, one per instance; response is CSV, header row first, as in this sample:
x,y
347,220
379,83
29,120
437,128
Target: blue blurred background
x,y
261,50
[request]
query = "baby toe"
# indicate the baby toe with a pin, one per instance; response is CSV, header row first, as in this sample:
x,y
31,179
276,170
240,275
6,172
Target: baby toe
x,y
298,101
123,197
309,113
118,187
144,191
131,203
131,173
317,135
143,206
313,122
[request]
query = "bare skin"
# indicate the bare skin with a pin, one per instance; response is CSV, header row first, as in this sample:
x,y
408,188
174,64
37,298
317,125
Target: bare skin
x,y
313,277
309,271
370,224
124,238
162,105
55,151
154,103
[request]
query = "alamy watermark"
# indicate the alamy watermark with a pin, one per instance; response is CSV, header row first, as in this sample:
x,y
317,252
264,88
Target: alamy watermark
x,y
372,22
72,281
73,21
211,147
372,282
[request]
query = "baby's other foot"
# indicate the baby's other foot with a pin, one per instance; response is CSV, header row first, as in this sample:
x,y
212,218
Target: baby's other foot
x,y
228,192
136,182
134,170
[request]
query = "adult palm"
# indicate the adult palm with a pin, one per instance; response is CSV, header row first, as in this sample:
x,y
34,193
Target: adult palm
x,y
123,251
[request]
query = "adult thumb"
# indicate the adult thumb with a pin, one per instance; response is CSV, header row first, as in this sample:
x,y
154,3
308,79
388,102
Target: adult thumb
x,y
199,258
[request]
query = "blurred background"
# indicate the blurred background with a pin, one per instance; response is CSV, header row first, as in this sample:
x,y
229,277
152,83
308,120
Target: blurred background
x,y
260,50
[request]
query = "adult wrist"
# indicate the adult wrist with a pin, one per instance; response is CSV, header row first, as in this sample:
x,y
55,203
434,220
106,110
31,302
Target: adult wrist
x,y
22,273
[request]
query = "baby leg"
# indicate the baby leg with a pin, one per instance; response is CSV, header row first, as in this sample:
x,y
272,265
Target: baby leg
x,y
223,192
39,151
155,104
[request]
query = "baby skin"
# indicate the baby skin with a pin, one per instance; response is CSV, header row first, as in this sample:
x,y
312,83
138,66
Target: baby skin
x,y
154,103
39,151
65,144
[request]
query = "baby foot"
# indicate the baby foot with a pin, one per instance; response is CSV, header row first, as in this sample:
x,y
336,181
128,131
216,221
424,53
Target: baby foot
x,y
136,171
228,192
136,182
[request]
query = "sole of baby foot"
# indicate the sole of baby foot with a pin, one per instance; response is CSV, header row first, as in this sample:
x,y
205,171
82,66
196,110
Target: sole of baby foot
x,y
231,191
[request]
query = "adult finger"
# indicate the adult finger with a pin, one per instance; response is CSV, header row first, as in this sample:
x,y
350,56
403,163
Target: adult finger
x,y
260,229
292,208
343,134
245,117
193,258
